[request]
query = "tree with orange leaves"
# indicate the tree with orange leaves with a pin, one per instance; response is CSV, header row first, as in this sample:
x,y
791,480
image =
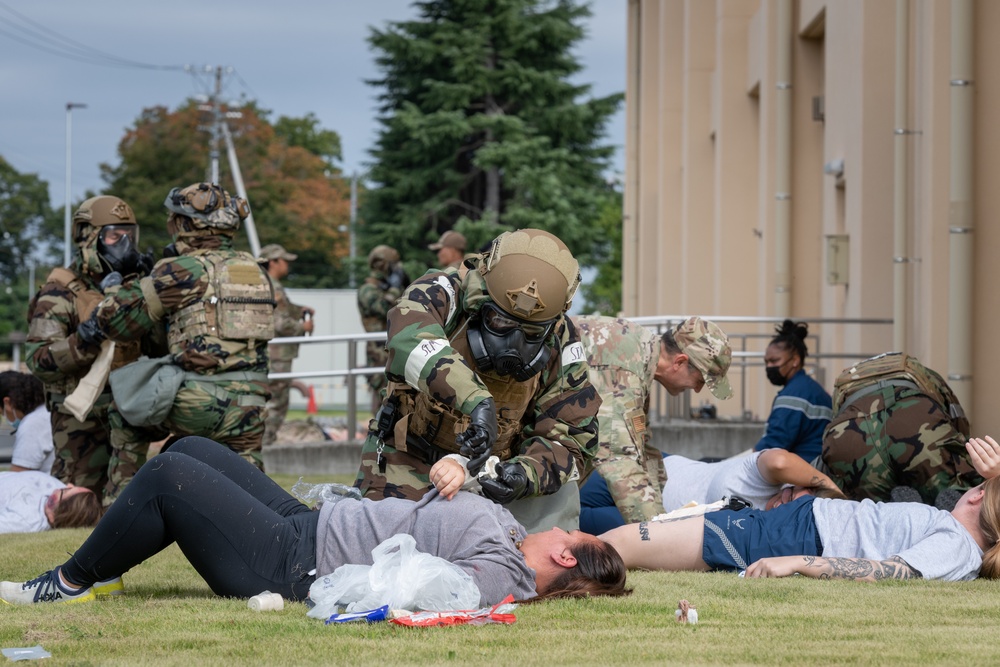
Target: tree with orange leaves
x,y
289,169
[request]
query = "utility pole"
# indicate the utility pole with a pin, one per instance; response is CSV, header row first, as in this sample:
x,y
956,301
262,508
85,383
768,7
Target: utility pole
x,y
67,231
216,122
234,166
353,233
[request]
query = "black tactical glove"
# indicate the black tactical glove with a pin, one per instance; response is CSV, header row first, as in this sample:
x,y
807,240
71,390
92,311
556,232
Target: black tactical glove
x,y
476,442
511,483
88,332
145,263
397,277
111,280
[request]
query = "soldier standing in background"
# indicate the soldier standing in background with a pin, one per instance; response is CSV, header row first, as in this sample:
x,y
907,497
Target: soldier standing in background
x,y
625,359
450,249
106,235
289,320
377,295
218,306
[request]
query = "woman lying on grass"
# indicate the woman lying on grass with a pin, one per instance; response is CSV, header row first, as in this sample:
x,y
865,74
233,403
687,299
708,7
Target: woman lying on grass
x,y
834,539
244,534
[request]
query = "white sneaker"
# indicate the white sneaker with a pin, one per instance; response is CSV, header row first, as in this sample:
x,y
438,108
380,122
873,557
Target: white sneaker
x,y
48,588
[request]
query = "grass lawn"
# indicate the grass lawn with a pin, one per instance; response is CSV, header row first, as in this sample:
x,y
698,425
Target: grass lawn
x,y
170,617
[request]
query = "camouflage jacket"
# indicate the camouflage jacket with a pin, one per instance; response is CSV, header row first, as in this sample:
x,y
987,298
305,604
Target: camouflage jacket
x,y
623,356
558,434
175,283
375,299
287,322
54,354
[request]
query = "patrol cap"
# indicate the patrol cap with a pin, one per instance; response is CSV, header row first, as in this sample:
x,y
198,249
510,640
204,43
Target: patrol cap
x,y
450,239
707,349
275,251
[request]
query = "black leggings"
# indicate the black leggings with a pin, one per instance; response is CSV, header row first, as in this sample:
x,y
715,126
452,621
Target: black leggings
x,y
243,533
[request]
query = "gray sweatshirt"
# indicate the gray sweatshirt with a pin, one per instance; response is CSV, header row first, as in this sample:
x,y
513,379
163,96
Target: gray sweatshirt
x,y
470,531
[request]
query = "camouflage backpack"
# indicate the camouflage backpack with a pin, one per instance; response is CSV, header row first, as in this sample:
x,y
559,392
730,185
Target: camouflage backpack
x,y
896,369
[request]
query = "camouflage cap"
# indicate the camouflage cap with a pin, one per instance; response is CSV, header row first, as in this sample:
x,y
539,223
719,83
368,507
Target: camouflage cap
x,y
450,239
707,349
275,251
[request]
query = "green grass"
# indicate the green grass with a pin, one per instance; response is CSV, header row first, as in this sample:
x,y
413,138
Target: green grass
x,y
169,617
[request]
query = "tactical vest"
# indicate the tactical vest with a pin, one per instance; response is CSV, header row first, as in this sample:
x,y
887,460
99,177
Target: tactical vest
x,y
896,369
438,424
238,305
86,301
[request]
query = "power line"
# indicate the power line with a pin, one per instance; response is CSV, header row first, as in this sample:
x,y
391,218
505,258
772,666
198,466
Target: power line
x,y
38,36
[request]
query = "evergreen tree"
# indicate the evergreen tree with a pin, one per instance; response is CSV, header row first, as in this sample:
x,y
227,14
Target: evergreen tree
x,y
482,129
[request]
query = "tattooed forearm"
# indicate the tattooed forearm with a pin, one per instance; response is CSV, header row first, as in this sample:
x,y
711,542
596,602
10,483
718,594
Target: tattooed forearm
x,y
859,569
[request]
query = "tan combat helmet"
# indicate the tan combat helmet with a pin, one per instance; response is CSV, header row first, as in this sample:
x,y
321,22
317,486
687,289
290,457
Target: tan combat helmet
x,y
382,258
531,274
208,206
93,214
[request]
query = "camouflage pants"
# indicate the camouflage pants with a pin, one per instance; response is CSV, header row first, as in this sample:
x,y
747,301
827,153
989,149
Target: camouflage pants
x,y
231,413
277,405
405,476
896,437
632,468
83,448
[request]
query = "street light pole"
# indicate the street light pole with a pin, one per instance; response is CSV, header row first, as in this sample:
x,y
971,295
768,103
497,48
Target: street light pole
x,y
67,255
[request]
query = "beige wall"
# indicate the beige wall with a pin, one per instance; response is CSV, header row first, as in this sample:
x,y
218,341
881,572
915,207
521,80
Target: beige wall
x,y
700,201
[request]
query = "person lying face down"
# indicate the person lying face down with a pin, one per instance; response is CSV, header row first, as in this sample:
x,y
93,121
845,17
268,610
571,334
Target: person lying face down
x,y
244,534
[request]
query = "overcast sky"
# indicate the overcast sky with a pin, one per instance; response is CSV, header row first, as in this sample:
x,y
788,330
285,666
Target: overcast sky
x,y
293,57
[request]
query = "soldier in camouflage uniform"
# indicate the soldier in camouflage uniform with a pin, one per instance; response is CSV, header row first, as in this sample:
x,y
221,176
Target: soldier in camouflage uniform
x,y
625,359
377,295
106,235
898,436
486,364
218,308
289,320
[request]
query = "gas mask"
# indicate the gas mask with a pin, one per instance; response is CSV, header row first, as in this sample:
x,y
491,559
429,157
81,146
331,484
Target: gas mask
x,y
508,346
116,245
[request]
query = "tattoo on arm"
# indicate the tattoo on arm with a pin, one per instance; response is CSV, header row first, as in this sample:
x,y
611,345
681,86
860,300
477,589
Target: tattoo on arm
x,y
644,531
860,569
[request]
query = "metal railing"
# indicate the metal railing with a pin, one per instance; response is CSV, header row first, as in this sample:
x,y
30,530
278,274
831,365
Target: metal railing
x,y
663,407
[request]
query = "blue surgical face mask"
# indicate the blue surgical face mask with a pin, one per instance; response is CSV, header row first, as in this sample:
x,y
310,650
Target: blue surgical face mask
x,y
14,423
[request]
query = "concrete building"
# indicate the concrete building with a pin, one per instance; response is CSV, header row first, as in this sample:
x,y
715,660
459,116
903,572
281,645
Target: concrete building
x,y
820,159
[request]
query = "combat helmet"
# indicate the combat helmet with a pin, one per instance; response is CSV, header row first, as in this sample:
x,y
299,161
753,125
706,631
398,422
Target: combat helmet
x,y
93,217
382,258
209,208
530,274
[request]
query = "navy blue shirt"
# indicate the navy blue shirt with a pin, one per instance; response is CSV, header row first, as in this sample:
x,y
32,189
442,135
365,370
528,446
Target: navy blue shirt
x,y
799,415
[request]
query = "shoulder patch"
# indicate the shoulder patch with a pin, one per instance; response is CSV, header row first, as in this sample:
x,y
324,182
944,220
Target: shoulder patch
x,y
573,354
452,298
420,356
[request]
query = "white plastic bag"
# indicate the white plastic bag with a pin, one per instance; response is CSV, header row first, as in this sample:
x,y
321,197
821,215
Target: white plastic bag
x,y
316,495
400,577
